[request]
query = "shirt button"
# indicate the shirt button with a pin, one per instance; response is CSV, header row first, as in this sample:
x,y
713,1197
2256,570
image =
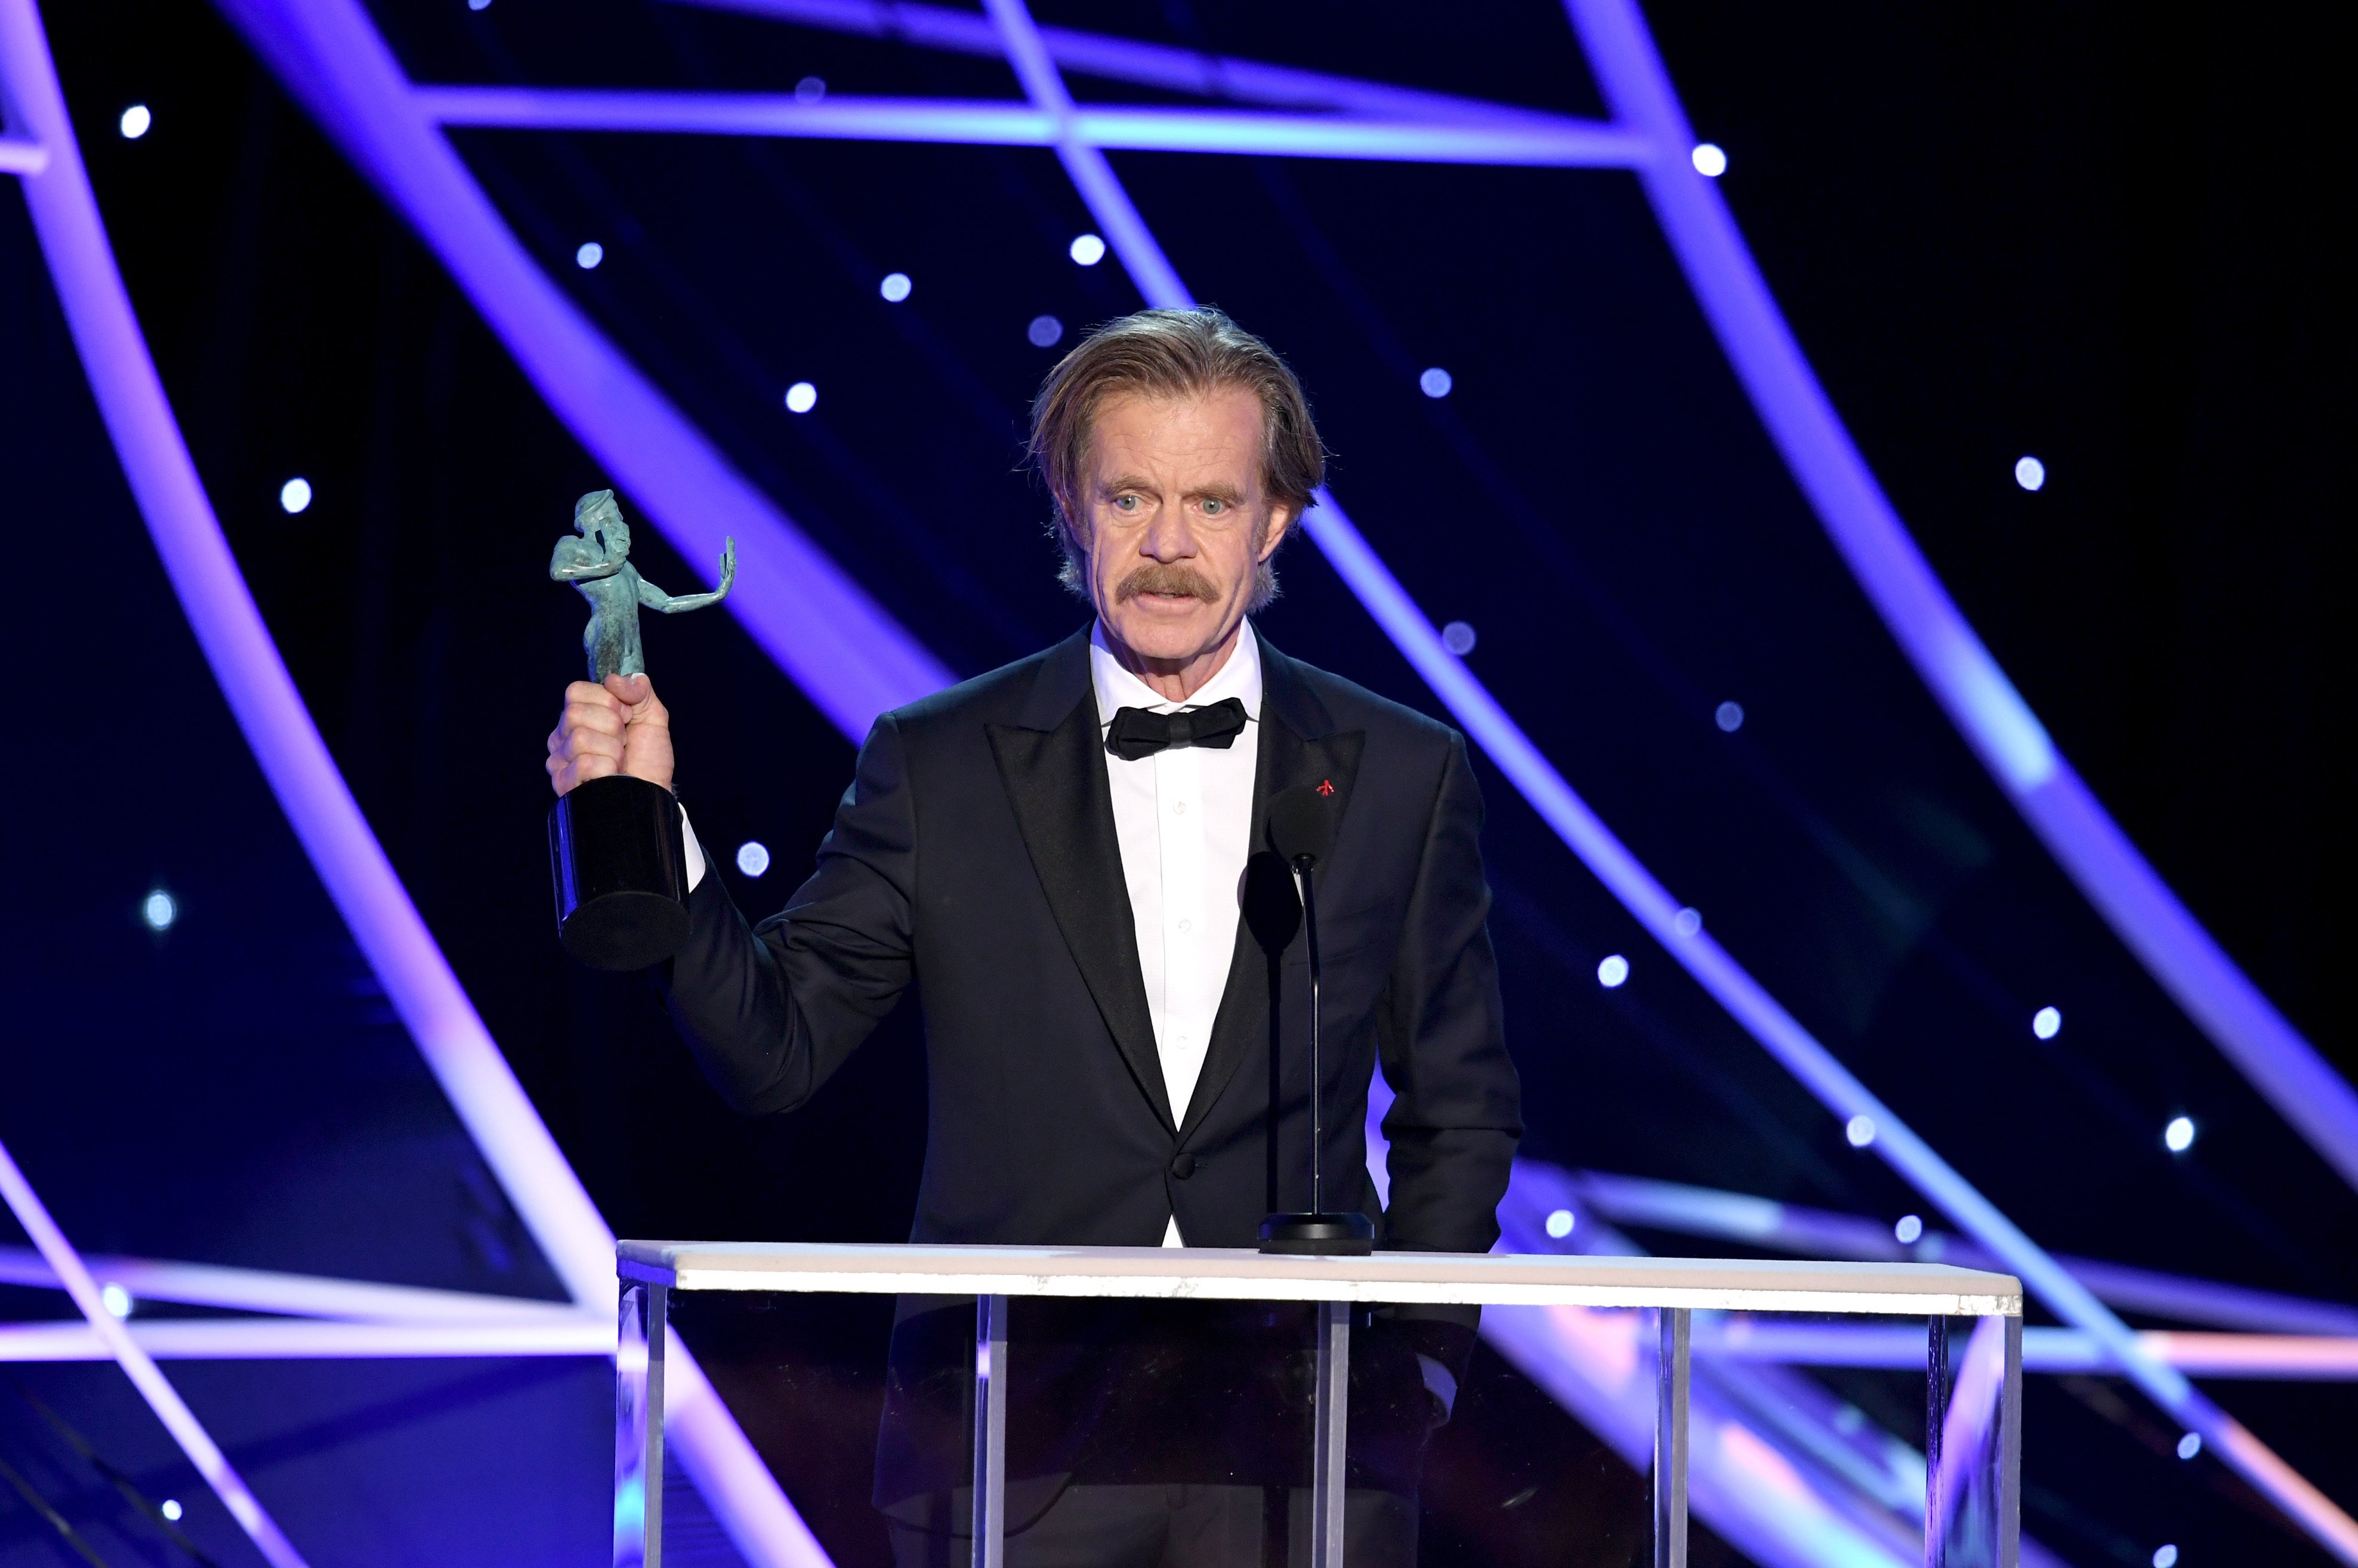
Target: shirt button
x,y
1184,1166
1186,925
1180,808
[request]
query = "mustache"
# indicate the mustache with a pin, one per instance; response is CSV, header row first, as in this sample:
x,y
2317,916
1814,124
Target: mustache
x,y
1158,578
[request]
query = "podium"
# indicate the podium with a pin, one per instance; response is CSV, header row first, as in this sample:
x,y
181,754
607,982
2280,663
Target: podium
x,y
1974,1421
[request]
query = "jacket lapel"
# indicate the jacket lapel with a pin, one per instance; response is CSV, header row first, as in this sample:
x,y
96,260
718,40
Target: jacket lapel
x,y
1299,745
1052,761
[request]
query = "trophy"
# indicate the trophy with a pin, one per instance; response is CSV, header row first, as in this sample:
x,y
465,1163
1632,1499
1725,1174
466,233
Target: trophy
x,y
615,849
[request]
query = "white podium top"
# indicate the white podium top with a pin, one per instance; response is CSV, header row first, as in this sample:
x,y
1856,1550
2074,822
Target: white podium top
x,y
1218,1273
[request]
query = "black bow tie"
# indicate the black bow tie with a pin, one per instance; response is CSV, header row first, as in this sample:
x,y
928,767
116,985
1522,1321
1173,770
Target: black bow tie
x,y
1137,733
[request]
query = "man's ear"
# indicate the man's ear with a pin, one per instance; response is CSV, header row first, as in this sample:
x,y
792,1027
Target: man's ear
x,y
1280,519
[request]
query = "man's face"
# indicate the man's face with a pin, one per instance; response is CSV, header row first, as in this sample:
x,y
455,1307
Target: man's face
x,y
1173,513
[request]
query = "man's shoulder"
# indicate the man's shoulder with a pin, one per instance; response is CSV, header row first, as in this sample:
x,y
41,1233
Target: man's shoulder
x,y
1350,706
995,696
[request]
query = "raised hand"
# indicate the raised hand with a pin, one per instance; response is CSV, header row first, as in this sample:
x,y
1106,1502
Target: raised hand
x,y
618,726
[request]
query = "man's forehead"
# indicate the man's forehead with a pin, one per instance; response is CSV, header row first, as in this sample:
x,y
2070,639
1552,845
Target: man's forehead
x,y
1139,436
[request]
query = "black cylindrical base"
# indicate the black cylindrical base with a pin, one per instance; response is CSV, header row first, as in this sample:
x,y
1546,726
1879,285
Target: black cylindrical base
x,y
1333,1235
620,869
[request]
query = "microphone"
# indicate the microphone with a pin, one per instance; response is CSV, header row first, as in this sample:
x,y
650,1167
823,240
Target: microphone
x,y
1302,828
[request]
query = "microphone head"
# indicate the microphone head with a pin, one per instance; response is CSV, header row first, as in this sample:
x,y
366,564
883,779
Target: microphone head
x,y
1301,824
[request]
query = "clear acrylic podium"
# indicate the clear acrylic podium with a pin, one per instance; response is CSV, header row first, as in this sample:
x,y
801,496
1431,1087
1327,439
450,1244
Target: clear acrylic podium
x,y
1973,1491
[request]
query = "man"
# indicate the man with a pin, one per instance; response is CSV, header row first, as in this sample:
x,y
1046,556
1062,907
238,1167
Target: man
x,y
1061,853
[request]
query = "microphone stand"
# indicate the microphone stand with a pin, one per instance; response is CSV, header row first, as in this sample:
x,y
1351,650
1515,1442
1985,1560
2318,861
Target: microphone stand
x,y
1350,1234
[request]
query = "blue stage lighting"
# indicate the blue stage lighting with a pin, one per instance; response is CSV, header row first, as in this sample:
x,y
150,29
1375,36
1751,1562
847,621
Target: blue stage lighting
x,y
895,287
1687,922
1560,1223
1908,1230
2029,472
2165,1557
1087,249
1044,330
2047,1022
116,1300
2179,1136
2190,1445
159,911
1458,638
135,122
810,90
1728,716
1710,160
591,253
1436,382
801,397
1614,971
1860,1131
294,495
752,857
171,1507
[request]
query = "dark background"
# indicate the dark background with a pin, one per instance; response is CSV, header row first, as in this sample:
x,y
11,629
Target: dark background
x,y
2103,237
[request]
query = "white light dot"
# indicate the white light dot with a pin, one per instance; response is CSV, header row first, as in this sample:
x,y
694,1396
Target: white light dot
x,y
895,287
2190,1445
1710,160
1458,638
2165,1557
591,253
478,5
159,910
810,90
2047,1022
294,495
1560,1223
752,857
1087,249
2029,472
115,1299
1436,382
1729,717
1910,1229
1613,972
2179,1136
801,397
171,1508
1860,1131
1687,922
1044,330
136,120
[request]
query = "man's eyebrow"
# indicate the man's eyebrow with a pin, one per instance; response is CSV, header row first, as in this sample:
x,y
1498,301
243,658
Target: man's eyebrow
x,y
1127,481
1217,491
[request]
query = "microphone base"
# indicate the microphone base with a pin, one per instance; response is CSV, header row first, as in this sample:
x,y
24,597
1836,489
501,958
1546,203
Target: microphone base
x,y
1325,1234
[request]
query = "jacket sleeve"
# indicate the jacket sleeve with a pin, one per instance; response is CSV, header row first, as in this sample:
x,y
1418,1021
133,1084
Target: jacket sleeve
x,y
772,1011
1455,1116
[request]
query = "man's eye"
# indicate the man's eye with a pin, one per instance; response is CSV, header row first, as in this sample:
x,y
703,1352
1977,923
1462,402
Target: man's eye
x,y
1125,503
1214,507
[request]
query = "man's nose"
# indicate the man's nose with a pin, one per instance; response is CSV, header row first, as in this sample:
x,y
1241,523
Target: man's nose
x,y
1168,535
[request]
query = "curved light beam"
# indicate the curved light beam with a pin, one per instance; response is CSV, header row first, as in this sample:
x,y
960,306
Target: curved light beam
x,y
1700,954
1963,677
335,836
111,1339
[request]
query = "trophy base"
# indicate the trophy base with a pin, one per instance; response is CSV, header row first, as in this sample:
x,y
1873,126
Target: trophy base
x,y
1327,1235
620,865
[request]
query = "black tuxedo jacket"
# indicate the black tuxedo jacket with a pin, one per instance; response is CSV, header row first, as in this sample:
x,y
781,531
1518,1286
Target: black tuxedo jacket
x,y
975,854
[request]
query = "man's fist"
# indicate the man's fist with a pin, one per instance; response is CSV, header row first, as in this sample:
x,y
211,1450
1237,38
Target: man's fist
x,y
618,727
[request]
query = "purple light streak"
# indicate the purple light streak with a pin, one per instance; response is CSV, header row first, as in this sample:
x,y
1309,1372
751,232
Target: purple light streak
x,y
1569,144
300,1295
1131,60
111,1335
1952,660
299,1339
303,776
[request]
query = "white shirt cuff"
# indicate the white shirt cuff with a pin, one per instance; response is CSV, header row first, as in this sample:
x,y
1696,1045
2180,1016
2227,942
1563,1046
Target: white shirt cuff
x,y
695,850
